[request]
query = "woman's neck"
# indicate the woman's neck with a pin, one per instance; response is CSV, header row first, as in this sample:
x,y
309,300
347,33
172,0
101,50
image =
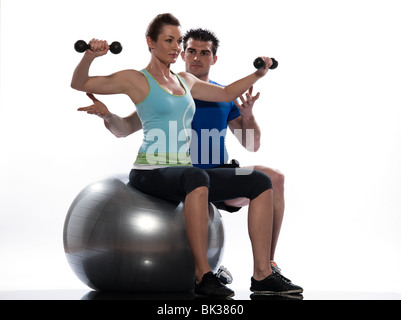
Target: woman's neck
x,y
158,68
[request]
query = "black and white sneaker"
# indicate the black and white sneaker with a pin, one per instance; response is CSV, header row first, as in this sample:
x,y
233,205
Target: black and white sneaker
x,y
224,275
274,284
211,286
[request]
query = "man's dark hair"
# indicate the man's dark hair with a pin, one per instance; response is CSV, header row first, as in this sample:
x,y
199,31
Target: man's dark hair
x,y
202,35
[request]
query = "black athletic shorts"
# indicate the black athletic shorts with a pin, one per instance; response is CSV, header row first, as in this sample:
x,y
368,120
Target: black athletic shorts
x,y
174,183
220,204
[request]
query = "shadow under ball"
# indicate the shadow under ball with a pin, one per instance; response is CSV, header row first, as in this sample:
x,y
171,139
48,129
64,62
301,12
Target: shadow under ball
x,y
117,238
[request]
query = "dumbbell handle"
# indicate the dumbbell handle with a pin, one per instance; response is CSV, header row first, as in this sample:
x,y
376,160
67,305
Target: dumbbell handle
x,y
259,63
82,46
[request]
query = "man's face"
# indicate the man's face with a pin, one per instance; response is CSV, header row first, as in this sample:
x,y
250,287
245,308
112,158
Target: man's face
x,y
198,58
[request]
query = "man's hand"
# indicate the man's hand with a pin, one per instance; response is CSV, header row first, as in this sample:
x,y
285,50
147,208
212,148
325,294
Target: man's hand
x,y
247,104
98,108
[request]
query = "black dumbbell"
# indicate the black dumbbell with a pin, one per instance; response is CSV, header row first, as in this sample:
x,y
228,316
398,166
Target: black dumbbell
x,y
82,46
259,63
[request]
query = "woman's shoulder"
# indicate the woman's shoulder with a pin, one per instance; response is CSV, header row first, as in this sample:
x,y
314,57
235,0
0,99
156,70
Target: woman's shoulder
x,y
189,78
131,73
135,83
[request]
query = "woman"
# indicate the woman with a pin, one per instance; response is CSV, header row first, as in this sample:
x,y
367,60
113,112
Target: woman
x,y
164,101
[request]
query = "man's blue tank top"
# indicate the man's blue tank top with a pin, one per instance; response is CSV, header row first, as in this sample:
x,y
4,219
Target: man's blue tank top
x,y
166,122
208,147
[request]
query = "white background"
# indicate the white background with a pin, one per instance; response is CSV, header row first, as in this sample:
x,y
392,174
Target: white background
x,y
330,117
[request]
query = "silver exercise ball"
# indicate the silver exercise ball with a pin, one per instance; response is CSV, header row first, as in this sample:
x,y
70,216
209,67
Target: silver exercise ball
x,y
117,238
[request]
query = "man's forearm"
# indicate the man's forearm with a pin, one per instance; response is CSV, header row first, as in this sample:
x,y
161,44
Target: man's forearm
x,y
250,123
120,127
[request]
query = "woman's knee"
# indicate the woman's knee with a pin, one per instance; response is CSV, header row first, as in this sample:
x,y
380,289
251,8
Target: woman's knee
x,y
195,179
200,192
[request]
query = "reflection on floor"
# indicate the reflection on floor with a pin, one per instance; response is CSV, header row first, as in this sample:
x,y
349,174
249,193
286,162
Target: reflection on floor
x,y
240,295
95,295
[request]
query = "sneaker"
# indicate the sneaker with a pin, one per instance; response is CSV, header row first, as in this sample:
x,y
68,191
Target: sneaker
x,y
224,275
211,286
274,284
276,269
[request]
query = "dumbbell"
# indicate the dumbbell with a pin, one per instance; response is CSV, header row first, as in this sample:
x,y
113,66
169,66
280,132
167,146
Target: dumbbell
x,y
259,63
82,46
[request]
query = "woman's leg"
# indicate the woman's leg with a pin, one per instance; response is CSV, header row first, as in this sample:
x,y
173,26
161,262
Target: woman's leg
x,y
196,211
188,184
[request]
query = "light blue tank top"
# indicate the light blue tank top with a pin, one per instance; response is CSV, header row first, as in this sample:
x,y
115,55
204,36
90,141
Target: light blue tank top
x,y
166,122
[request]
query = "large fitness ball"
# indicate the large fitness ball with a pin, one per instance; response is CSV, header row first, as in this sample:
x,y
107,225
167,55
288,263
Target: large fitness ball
x,y
117,238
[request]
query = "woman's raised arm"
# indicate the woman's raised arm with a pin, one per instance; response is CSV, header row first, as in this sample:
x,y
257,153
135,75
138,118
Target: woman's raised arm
x,y
202,90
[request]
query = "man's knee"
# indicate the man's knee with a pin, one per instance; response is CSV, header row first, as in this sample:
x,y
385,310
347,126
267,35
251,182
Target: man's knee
x,y
276,176
260,182
278,180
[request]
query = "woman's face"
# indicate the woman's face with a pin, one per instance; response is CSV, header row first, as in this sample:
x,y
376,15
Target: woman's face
x,y
168,45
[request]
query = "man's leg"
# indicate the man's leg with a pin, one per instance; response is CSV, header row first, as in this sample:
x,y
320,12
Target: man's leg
x,y
260,220
277,179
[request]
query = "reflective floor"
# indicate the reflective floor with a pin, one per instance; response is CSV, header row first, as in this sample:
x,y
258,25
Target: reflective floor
x,y
239,295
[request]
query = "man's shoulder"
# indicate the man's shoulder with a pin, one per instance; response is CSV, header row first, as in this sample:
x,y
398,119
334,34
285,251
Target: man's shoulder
x,y
216,83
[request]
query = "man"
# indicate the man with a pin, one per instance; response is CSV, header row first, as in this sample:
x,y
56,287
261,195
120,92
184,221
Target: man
x,y
210,122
